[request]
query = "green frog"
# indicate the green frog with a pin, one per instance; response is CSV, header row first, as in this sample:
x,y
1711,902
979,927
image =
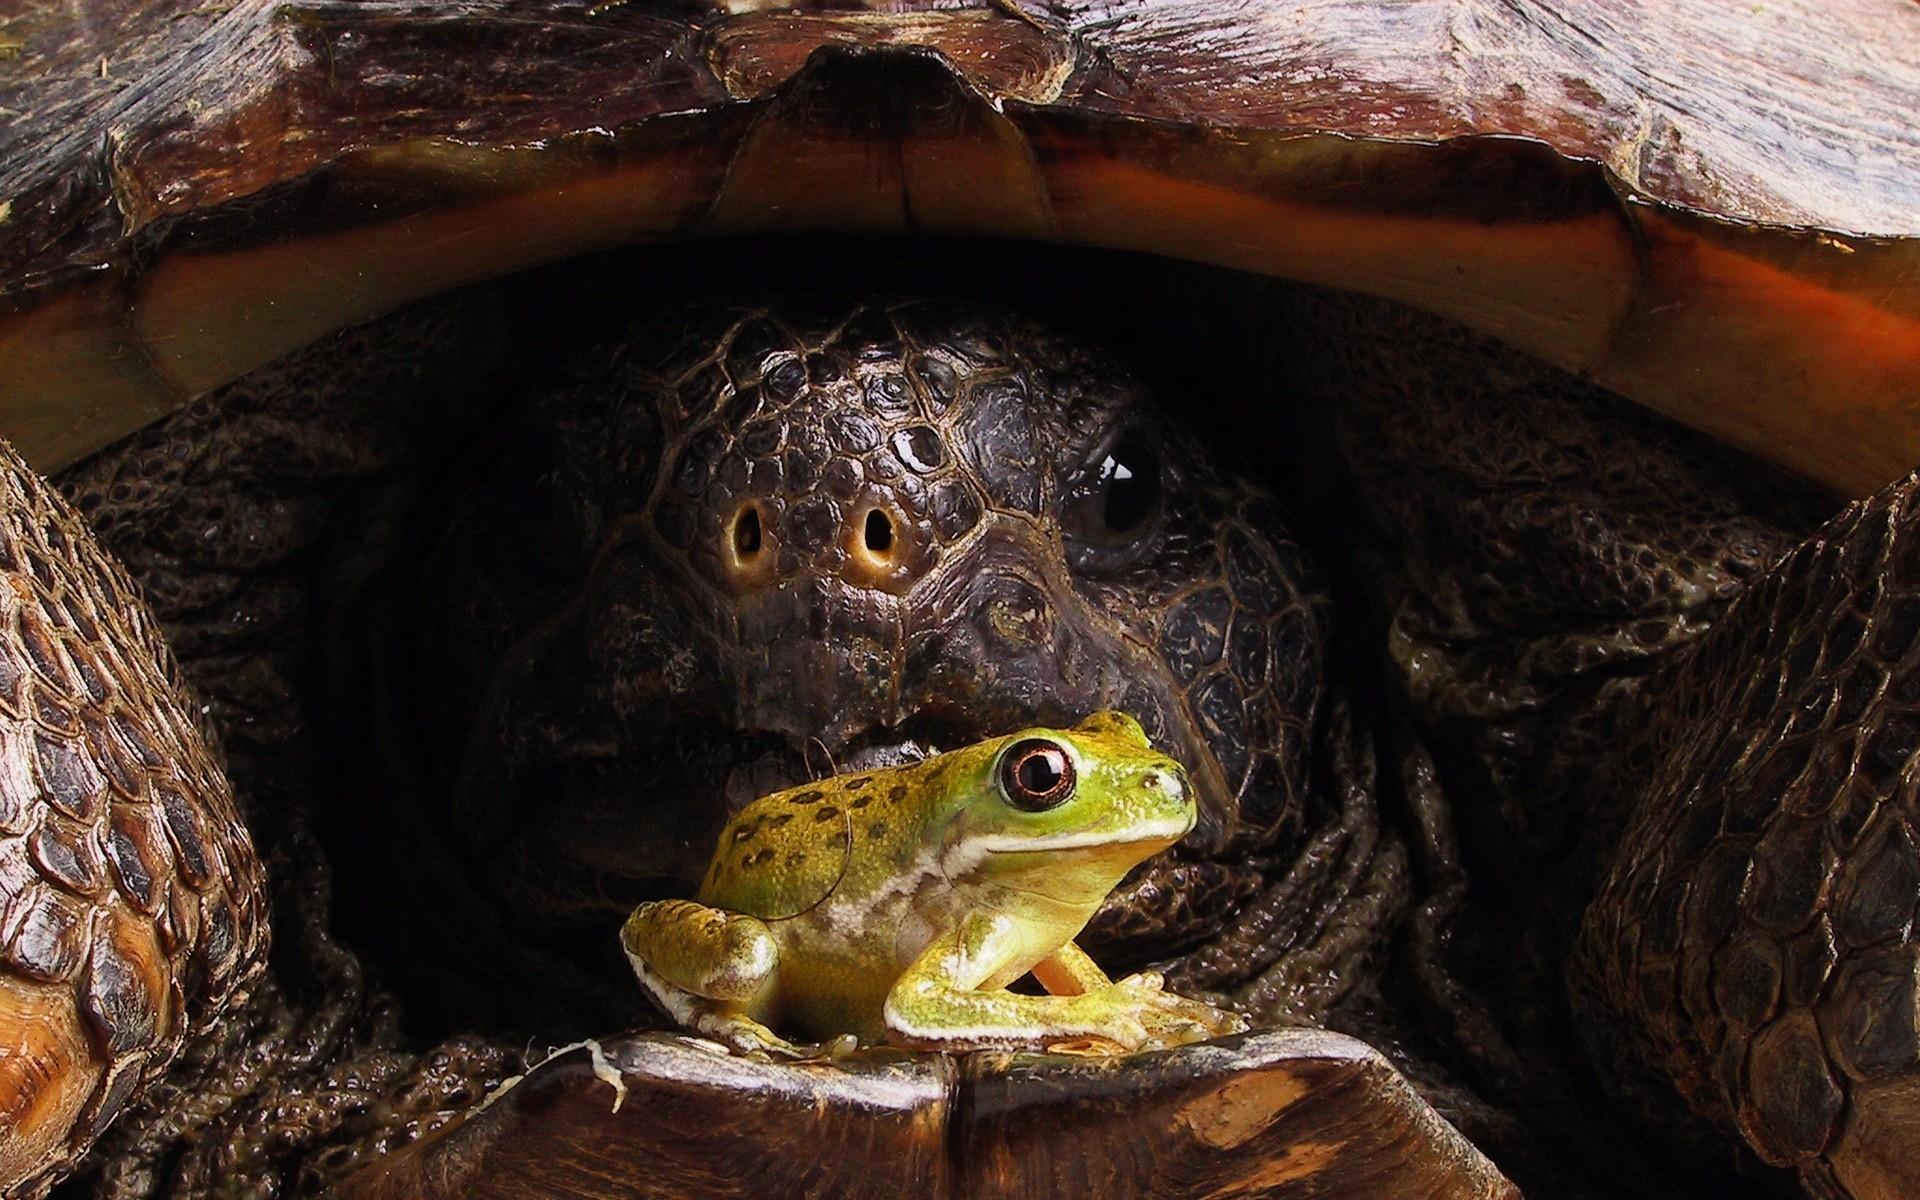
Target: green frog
x,y
896,905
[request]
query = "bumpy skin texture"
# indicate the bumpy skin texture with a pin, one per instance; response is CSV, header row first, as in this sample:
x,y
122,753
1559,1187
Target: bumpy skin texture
x,y
1741,754
1536,548
134,909
669,589
1757,928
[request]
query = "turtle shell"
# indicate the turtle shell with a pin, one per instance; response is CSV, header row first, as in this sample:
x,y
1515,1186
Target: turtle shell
x,y
1711,210
1715,212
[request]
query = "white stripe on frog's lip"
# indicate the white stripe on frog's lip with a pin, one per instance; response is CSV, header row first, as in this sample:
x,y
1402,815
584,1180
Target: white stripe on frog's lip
x,y
1086,839
961,858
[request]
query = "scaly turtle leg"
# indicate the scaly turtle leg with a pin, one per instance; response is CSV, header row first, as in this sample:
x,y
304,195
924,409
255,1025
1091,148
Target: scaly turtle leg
x,y
1757,928
1535,595
133,903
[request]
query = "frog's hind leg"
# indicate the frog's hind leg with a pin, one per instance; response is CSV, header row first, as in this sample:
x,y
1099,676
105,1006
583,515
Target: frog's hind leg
x,y
710,970
1069,972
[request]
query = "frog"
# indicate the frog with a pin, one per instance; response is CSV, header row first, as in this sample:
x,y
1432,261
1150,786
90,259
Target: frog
x,y
896,906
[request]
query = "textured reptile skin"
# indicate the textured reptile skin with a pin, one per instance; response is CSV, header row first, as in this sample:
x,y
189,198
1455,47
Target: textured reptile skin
x,y
1660,671
133,903
1536,547
216,511
1757,929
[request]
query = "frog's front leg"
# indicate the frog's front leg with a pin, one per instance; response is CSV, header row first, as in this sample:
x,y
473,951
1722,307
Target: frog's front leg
x,y
952,998
1068,971
712,971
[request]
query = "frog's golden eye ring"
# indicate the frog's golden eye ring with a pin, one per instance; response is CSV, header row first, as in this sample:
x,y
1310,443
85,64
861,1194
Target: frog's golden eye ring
x,y
1036,775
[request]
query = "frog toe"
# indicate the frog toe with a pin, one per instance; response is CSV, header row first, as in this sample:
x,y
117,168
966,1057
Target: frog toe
x,y
749,1038
1177,1021
1168,1032
1130,1033
1218,1022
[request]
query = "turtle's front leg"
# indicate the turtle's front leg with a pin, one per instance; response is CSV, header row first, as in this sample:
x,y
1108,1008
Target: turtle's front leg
x,y
1755,939
131,904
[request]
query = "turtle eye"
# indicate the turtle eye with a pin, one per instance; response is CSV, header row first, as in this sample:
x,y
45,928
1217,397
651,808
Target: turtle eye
x,y
1111,503
1036,775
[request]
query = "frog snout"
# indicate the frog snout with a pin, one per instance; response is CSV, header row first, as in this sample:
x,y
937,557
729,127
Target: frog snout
x,y
1169,787
1170,784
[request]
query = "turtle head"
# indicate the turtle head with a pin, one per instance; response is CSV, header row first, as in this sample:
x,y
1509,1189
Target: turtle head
x,y
801,544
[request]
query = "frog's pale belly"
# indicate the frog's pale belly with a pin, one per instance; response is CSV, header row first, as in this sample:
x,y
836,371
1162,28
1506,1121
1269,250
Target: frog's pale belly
x,y
834,976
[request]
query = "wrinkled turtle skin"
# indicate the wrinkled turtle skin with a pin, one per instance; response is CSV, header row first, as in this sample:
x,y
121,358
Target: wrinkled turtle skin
x,y
1560,752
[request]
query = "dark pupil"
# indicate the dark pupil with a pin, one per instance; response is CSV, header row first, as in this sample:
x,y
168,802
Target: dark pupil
x,y
1130,477
1040,772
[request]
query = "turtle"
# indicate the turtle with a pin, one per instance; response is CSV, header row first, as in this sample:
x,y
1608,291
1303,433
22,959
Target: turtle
x,y
1607,690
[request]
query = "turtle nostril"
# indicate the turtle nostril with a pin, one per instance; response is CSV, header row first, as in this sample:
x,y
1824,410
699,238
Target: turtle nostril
x,y
746,533
878,549
879,535
746,551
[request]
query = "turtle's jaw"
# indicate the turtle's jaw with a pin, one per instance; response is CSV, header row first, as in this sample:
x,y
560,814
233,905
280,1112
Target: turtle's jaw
x,y
603,768
758,774
591,837
593,843
572,836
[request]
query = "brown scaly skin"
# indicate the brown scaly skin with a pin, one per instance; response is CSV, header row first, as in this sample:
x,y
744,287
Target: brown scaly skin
x,y
216,510
1534,551
1488,536
134,912
1757,926
1696,705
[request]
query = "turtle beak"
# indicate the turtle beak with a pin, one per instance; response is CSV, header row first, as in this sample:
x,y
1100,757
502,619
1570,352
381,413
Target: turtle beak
x,y
820,659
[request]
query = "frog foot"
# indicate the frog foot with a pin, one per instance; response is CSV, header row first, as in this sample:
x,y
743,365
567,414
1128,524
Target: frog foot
x,y
1148,1017
750,1039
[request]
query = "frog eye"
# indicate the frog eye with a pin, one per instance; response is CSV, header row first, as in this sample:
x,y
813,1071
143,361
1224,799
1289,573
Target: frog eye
x,y
1036,774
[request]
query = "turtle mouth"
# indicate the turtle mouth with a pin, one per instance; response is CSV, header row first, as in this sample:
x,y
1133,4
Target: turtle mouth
x,y
769,763
594,849
757,774
607,833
